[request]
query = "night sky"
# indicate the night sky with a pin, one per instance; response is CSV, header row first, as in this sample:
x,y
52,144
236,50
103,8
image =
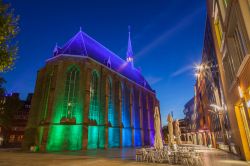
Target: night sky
x,y
167,39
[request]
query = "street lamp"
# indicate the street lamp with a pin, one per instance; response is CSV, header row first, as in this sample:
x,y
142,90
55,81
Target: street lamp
x,y
197,75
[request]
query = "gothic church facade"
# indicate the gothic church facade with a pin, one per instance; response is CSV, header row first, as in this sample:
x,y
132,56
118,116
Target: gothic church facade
x,y
87,97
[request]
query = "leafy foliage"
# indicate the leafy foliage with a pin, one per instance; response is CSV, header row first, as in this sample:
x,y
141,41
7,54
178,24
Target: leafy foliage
x,y
8,31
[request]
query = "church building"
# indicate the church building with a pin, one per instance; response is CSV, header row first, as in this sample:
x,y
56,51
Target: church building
x,y
87,97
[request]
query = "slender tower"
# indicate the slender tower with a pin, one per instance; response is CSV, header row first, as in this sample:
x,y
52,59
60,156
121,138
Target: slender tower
x,y
129,57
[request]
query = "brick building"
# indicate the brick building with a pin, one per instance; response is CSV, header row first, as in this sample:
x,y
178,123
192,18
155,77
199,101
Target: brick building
x,y
15,112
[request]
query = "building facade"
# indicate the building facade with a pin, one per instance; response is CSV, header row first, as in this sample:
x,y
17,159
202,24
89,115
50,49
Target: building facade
x,y
86,97
188,112
14,112
231,33
207,113
213,115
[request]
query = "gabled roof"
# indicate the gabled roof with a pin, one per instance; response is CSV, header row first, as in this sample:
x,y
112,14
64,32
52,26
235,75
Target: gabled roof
x,y
83,45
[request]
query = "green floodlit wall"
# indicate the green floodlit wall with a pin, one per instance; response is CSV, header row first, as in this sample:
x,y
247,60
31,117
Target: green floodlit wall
x,y
96,137
96,134
46,96
64,137
60,108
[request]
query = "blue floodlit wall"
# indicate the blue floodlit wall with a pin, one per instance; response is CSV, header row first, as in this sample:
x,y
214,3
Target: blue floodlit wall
x,y
137,131
126,120
145,121
151,120
114,130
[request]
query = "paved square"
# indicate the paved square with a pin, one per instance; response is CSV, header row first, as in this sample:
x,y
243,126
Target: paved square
x,y
111,157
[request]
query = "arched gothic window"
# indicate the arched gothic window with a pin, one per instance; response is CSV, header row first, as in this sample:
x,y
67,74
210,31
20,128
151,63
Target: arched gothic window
x,y
93,108
71,92
110,104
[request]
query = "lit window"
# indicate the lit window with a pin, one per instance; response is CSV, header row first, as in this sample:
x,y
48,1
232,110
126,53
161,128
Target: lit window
x,y
94,107
218,31
71,92
12,138
20,138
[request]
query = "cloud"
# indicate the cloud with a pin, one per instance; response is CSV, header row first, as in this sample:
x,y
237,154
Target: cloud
x,y
169,32
153,80
181,71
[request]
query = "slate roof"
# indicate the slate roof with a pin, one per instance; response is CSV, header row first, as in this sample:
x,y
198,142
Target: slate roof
x,y
83,45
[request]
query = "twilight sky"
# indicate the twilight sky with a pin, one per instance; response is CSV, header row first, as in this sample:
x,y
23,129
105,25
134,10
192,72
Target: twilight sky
x,y
167,40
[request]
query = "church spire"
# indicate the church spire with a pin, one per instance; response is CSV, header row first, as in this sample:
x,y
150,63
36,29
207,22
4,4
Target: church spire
x,y
129,57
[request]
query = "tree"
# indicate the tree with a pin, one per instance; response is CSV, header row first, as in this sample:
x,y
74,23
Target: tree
x,y
2,89
8,31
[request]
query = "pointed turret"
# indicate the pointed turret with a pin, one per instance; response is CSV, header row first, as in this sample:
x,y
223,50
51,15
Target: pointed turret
x,y
129,57
55,51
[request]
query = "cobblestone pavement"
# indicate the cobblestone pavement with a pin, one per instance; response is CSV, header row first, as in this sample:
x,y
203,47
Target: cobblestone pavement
x,y
111,157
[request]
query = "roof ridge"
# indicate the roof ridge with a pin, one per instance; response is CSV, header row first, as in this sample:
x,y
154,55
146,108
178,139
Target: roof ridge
x,y
103,46
86,46
70,42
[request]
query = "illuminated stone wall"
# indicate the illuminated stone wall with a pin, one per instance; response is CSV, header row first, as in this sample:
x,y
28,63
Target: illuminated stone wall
x,y
80,104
